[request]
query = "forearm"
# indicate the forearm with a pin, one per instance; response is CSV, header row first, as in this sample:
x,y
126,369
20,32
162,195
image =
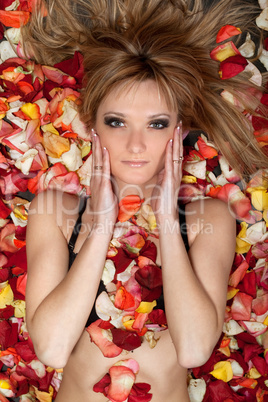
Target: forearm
x,y
192,317
59,320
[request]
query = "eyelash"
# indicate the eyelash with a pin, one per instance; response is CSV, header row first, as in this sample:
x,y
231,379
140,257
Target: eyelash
x,y
117,123
110,121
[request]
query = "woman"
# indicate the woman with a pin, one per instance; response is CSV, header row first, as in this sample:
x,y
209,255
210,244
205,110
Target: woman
x,y
144,84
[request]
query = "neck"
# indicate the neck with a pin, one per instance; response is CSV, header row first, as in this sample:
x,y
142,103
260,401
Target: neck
x,y
122,189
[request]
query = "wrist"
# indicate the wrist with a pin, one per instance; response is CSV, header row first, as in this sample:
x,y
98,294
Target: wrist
x,y
168,224
103,227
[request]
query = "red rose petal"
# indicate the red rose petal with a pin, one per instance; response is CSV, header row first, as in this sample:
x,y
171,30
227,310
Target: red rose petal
x,y
125,340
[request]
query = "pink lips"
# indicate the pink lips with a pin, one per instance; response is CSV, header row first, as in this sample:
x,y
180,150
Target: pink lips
x,y
135,163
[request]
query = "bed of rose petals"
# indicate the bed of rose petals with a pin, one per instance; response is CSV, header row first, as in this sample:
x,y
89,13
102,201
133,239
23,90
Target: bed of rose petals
x,y
44,145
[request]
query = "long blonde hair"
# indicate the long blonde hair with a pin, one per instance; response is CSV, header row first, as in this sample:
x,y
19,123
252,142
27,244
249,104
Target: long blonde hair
x,y
168,41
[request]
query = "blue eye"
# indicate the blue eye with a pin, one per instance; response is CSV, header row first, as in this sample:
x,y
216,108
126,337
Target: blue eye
x,y
159,124
113,122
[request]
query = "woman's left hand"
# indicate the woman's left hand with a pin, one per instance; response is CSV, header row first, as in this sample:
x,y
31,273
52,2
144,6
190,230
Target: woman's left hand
x,y
165,193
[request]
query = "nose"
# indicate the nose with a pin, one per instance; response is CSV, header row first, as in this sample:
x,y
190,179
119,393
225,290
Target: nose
x,y
136,142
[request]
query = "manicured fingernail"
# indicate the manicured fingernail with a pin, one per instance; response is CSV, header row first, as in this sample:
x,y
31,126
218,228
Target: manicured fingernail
x,y
94,134
171,142
104,148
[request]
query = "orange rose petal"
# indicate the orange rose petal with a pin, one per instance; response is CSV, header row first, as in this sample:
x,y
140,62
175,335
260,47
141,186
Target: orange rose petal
x,y
226,32
14,19
128,206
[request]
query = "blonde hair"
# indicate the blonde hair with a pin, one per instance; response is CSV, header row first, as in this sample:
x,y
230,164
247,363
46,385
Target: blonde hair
x,y
168,41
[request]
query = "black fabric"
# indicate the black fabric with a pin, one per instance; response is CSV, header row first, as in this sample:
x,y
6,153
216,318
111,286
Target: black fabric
x,y
72,255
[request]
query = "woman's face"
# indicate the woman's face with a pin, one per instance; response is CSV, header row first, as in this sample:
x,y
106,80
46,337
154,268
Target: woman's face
x,y
135,124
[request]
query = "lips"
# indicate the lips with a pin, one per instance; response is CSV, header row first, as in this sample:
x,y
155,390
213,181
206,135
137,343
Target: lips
x,y
135,163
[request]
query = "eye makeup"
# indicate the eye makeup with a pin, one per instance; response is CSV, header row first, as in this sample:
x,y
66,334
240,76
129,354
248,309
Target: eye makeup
x,y
159,124
113,121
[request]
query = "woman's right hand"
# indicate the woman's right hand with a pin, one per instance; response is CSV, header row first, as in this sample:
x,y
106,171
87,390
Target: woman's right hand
x,y
104,203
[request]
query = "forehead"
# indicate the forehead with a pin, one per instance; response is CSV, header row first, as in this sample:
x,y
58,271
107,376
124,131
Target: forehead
x,y
145,94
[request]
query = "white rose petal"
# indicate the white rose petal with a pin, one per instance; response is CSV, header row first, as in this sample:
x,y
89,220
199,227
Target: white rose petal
x,y
6,51
105,308
125,276
264,58
248,48
262,19
237,369
13,35
38,367
85,172
24,163
263,4
256,77
254,328
217,181
13,6
72,159
230,175
232,328
197,390
108,272
197,169
16,120
255,233
79,128
233,345
18,140
18,221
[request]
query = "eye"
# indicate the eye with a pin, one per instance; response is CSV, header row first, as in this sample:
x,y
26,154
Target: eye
x,y
113,122
159,124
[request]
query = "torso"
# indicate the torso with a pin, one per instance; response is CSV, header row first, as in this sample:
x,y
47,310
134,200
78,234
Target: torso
x,y
87,365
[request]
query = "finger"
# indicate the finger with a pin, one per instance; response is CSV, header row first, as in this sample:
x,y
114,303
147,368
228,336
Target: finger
x,y
177,152
168,159
176,143
106,163
97,156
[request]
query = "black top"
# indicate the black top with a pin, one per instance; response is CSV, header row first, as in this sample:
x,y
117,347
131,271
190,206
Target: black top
x,y
160,302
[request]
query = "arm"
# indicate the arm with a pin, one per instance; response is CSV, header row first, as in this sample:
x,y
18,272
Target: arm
x,y
59,301
195,285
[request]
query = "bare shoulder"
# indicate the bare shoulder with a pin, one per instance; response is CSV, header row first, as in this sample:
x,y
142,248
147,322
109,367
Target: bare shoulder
x,y
52,212
52,201
207,216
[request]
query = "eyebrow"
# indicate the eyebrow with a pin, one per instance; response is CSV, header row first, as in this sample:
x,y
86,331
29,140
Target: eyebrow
x,y
153,116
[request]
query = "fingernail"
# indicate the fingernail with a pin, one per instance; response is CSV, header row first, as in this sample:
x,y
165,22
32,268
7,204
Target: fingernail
x,y
94,134
104,148
171,142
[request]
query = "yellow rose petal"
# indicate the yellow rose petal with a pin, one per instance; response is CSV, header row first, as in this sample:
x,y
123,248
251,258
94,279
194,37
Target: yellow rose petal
x,y
253,373
231,292
50,128
223,371
259,199
6,296
146,307
5,384
241,245
31,110
188,179
44,396
85,150
19,306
